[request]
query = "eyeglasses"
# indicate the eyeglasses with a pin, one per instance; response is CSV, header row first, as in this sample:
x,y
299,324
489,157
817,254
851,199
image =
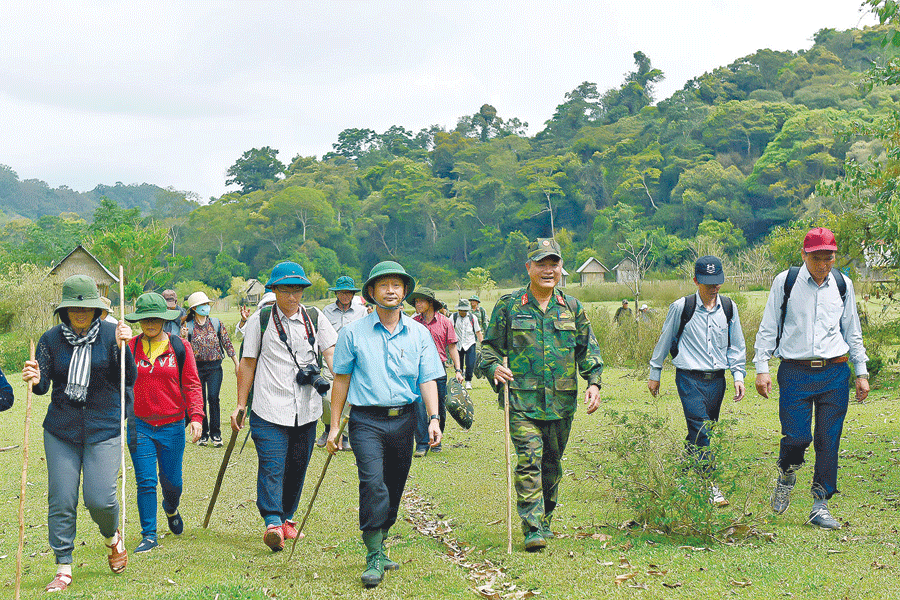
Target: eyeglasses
x,y
289,291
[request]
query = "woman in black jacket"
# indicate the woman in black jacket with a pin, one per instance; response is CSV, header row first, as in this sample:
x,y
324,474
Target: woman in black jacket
x,y
82,427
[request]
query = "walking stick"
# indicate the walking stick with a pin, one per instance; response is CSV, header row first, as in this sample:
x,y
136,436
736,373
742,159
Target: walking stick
x,y
221,475
316,490
508,473
122,398
24,482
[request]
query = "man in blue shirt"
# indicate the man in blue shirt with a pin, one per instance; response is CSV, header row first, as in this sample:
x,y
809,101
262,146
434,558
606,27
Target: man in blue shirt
x,y
383,364
812,333
710,343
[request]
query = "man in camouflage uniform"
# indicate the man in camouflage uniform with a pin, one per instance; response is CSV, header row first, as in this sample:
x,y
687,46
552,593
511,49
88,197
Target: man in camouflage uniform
x,y
546,335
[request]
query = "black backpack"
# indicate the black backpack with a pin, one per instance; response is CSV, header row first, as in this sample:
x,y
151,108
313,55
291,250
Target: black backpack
x,y
789,282
687,313
177,347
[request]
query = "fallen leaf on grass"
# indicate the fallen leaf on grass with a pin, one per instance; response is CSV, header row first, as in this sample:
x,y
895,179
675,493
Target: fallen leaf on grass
x,y
327,548
694,548
624,577
677,584
497,522
486,591
878,565
624,564
170,581
657,573
605,564
741,583
837,551
639,586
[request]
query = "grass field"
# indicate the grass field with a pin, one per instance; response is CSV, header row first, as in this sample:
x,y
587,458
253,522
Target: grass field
x,y
458,499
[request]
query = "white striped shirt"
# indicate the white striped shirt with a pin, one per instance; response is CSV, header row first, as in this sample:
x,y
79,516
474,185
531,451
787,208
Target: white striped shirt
x,y
276,396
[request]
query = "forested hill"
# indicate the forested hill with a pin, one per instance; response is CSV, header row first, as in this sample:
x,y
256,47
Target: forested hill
x,y
732,155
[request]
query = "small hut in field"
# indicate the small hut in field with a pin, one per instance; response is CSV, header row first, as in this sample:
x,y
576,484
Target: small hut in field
x,y
626,272
255,290
81,262
592,272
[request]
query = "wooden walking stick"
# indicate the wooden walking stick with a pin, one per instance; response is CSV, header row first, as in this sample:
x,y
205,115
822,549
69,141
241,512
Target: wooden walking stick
x,y
122,398
221,475
24,483
508,468
316,490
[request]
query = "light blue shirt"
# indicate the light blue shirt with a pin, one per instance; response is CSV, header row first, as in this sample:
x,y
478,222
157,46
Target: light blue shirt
x,y
704,342
817,324
386,368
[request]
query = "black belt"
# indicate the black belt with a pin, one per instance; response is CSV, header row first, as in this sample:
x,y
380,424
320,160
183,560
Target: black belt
x,y
817,363
702,374
385,411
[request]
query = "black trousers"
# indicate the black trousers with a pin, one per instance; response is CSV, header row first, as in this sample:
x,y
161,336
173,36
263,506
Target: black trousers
x,y
383,447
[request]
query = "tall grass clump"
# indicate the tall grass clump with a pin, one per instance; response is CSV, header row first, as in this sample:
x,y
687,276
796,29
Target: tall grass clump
x,y
26,311
666,489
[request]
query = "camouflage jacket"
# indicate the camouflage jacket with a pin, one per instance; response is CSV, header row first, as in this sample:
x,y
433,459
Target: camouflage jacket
x,y
544,349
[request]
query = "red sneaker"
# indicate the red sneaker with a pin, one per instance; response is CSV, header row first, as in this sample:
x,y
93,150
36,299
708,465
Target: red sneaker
x,y
289,530
274,538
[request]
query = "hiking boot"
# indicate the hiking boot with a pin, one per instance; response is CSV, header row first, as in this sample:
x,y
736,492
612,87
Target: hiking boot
x,y
386,562
781,496
147,544
716,497
274,538
322,439
534,541
821,517
216,441
176,523
374,573
547,533
345,444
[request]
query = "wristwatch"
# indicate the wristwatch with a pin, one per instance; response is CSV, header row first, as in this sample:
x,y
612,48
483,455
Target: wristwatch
x,y
434,417
866,376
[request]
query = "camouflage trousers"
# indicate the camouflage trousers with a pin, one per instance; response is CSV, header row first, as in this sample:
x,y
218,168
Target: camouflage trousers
x,y
539,446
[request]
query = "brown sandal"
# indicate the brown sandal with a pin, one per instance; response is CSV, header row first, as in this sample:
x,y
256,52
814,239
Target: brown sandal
x,y
117,560
59,583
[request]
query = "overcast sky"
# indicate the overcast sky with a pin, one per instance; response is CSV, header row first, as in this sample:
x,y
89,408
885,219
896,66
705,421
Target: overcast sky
x,y
172,93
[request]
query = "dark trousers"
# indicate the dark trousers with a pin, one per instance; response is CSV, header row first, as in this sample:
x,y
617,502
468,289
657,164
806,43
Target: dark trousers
x,y
467,361
422,416
210,372
383,447
283,458
804,390
701,399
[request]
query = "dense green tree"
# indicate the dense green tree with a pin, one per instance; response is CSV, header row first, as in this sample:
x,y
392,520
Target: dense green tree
x,y
254,169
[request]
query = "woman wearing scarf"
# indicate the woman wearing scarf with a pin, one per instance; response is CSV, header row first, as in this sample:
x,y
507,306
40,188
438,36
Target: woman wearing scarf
x,y
210,342
81,431
166,389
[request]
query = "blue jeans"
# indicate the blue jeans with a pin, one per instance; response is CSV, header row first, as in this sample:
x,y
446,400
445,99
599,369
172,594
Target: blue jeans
x,y
701,400
382,446
422,415
210,372
283,458
804,389
161,446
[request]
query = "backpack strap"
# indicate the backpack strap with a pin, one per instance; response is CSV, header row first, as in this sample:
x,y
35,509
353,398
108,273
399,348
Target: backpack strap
x,y
177,348
728,308
687,312
789,282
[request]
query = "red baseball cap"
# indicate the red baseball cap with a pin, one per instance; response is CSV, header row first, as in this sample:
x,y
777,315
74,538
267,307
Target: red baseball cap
x,y
819,239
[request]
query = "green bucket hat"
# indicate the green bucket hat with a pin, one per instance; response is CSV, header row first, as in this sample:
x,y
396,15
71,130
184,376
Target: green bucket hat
x,y
151,306
426,293
80,291
387,267
344,283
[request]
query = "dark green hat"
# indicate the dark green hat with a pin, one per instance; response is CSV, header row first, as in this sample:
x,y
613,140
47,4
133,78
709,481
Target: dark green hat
x,y
80,291
543,248
463,305
151,306
474,297
428,294
344,283
387,267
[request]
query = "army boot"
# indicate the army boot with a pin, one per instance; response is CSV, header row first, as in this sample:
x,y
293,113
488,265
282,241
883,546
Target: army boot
x,y
374,572
545,528
386,562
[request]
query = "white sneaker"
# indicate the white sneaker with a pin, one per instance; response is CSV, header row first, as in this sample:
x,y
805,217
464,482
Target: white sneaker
x,y
468,385
716,497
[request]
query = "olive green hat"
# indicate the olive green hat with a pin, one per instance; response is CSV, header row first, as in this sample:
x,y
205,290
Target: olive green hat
x,y
151,306
428,294
387,267
463,305
80,291
474,298
344,283
543,248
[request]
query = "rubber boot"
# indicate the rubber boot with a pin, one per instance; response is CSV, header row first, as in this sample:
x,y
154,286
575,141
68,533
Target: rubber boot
x,y
374,573
386,562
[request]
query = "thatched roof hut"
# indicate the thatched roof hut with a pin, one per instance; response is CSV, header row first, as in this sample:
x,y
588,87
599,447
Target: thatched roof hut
x,y
81,262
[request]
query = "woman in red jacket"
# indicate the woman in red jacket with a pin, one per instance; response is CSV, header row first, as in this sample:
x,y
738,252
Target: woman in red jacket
x,y
167,387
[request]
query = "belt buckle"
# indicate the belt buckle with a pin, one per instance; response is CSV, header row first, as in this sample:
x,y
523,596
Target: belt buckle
x,y
707,375
394,412
818,363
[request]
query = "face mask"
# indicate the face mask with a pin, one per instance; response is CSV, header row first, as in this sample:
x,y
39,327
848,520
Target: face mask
x,y
202,310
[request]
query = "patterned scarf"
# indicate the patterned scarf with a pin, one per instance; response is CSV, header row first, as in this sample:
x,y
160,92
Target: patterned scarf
x,y
80,366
